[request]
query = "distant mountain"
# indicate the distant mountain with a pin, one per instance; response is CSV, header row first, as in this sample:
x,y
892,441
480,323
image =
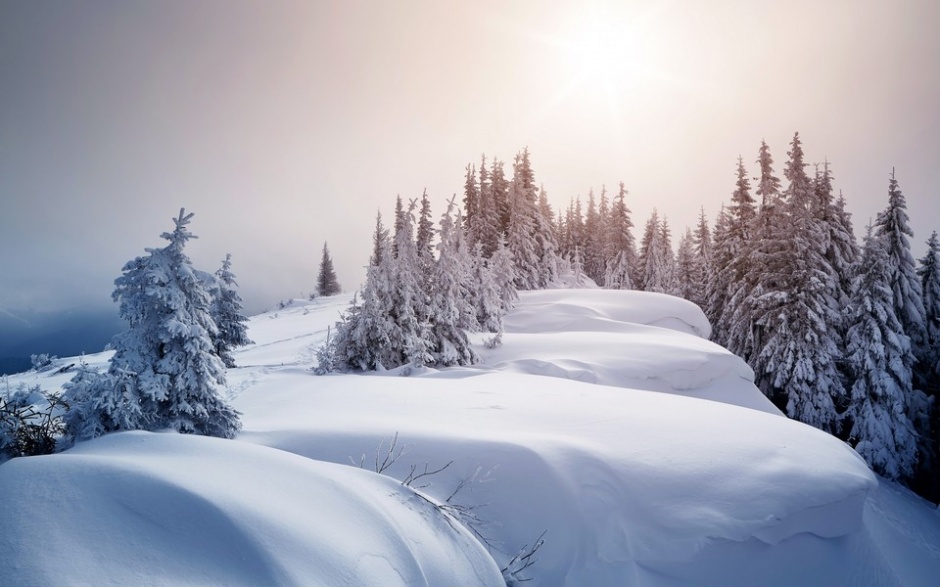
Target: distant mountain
x,y
66,333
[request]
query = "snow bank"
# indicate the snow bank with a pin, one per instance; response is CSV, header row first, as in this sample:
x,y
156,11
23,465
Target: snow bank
x,y
166,509
632,339
614,475
657,489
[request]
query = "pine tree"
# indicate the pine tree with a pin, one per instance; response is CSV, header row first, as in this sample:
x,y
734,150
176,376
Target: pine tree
x,y
893,226
768,187
929,273
452,307
685,267
622,245
471,198
326,278
800,351
227,314
523,218
880,358
380,241
731,262
702,254
165,372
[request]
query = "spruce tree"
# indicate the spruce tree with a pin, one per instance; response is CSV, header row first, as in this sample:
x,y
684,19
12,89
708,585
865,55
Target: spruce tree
x,y
893,226
702,253
801,349
880,359
165,372
451,304
227,314
929,273
620,268
685,268
380,241
327,285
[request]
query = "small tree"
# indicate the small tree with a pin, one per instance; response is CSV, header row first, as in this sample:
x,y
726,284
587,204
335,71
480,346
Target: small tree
x,y
326,279
227,313
165,372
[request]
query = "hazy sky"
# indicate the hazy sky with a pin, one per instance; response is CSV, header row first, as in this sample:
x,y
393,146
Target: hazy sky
x,y
286,124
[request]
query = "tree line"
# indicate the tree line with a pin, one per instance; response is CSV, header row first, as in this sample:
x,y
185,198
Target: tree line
x,y
842,335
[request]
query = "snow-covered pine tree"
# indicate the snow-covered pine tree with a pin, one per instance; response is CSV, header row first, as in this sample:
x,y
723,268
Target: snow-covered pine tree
x,y
165,372
592,255
801,348
471,199
499,195
656,260
410,303
730,272
685,267
768,188
521,239
716,290
327,285
841,248
451,304
546,241
929,273
893,225
380,241
620,268
702,253
230,321
880,360
425,250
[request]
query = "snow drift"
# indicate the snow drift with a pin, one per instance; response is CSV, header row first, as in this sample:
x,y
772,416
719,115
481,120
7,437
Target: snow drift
x,y
605,419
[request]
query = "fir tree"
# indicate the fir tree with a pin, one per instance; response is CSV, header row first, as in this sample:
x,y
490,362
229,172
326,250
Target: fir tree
x,y
622,245
929,273
685,268
452,307
327,285
165,372
227,314
702,253
799,356
380,241
893,226
880,358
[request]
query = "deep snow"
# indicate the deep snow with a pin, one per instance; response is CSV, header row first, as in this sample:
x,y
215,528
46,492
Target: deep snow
x,y
605,419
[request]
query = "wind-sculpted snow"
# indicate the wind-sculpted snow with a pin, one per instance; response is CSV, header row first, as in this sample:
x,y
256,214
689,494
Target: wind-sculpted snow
x,y
619,478
630,339
603,310
605,419
166,509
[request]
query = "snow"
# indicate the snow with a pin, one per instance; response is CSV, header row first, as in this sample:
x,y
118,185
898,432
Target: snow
x,y
605,419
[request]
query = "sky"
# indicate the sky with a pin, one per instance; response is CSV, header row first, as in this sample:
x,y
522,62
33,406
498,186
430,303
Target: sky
x,y
284,125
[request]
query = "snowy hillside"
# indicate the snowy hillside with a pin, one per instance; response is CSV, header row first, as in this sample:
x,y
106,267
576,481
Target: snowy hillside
x,y
605,420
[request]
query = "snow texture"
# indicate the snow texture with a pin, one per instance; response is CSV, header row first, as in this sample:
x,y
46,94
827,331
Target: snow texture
x,y
634,487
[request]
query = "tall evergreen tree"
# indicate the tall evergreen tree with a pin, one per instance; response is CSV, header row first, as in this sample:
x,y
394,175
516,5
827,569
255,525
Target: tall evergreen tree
x,y
227,313
380,241
893,226
880,358
327,285
768,188
471,197
800,350
702,254
929,273
685,268
622,245
730,260
452,308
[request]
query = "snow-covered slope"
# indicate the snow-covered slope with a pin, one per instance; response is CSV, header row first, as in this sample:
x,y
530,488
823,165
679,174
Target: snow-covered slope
x,y
646,454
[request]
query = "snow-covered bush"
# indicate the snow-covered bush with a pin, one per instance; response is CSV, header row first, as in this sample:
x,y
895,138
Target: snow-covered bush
x,y
31,422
